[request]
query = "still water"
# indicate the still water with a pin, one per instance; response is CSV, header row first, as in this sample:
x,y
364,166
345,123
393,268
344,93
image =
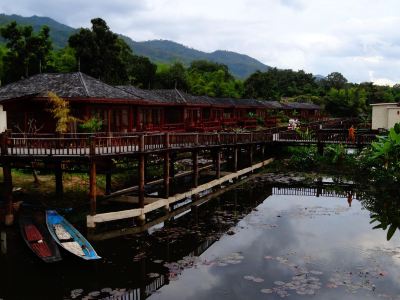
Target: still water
x,y
254,242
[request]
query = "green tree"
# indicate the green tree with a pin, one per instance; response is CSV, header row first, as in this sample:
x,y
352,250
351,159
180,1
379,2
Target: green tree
x,y
346,102
169,77
63,61
335,80
99,52
213,79
276,83
27,52
141,71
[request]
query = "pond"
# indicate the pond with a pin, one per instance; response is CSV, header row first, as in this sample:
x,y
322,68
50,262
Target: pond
x,y
254,242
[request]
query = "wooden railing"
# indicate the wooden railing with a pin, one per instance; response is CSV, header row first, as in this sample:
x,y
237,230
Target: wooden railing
x,y
127,143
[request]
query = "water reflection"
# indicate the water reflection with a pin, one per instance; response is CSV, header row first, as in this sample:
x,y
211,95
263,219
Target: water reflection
x,y
253,242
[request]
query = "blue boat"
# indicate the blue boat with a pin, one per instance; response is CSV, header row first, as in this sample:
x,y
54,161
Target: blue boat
x,y
68,237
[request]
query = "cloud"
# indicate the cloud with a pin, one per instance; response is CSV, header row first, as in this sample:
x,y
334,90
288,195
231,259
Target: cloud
x,y
352,37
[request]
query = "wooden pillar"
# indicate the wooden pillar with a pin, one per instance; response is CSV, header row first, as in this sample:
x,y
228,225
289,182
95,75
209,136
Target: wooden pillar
x,y
108,121
92,176
166,166
92,187
172,166
218,163
251,154
9,218
141,172
195,162
235,158
59,179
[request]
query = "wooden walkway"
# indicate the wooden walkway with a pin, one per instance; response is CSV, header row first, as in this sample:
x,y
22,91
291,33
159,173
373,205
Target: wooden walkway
x,y
95,146
98,150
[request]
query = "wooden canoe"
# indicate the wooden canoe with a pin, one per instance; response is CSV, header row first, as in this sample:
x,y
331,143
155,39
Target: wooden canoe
x,y
38,238
68,237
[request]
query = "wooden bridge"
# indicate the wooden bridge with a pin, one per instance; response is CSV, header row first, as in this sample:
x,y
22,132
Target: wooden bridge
x,y
99,149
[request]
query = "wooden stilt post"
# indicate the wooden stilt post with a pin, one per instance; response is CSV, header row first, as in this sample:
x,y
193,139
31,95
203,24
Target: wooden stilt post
x,y
166,166
218,163
9,218
195,160
251,150
172,165
195,163
251,154
92,176
59,179
235,158
141,172
218,159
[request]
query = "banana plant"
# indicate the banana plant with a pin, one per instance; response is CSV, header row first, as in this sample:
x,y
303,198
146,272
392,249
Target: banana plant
x,y
386,220
387,147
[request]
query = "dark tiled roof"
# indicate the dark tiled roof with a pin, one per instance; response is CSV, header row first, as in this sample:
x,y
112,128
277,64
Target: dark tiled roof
x,y
79,85
272,104
66,85
142,94
300,105
170,96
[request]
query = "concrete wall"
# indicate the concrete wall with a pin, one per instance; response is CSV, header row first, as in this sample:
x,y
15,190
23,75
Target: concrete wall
x,y
393,116
3,119
379,116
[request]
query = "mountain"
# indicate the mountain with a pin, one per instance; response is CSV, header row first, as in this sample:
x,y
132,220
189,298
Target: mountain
x,y
165,51
59,33
159,51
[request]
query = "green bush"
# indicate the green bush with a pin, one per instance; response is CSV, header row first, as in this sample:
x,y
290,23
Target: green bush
x,y
91,125
304,158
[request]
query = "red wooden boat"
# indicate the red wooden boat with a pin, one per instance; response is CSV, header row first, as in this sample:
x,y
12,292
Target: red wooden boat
x,y
38,239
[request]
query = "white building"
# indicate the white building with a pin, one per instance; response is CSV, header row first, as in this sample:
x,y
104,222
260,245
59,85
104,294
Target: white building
x,y
385,115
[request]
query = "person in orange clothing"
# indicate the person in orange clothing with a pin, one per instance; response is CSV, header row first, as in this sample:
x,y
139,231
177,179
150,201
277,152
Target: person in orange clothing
x,y
352,136
349,198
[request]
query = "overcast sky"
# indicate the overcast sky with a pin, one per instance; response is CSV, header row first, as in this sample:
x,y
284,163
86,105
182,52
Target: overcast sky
x,y
359,38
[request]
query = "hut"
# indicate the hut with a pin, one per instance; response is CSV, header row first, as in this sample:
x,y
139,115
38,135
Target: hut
x,y
129,109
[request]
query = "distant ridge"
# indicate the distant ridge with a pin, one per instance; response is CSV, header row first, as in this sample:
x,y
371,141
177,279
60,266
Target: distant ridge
x,y
159,51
